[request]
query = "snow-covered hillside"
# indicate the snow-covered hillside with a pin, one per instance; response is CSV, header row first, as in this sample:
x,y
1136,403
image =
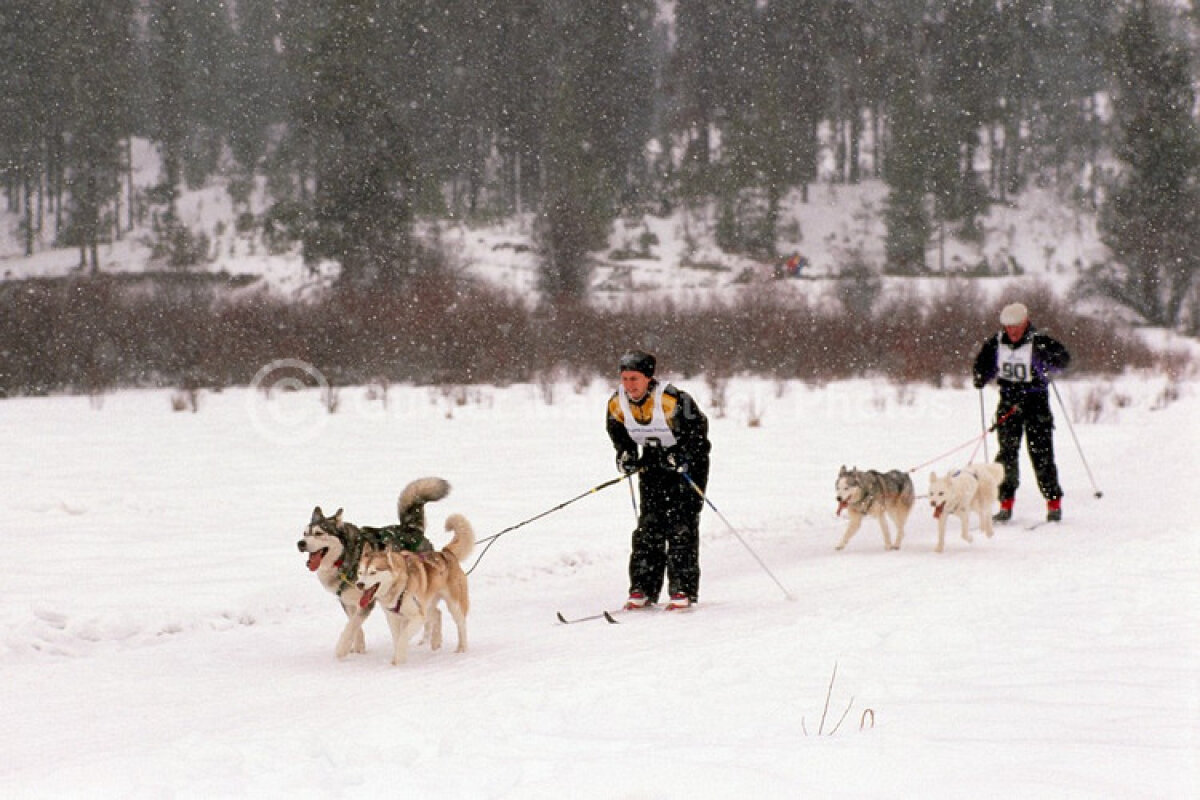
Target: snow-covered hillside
x,y
1038,235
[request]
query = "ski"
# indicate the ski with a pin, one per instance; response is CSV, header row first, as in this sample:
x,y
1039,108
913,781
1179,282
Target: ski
x,y
604,615
611,616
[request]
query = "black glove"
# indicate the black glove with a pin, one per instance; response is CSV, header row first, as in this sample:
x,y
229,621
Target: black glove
x,y
627,462
979,382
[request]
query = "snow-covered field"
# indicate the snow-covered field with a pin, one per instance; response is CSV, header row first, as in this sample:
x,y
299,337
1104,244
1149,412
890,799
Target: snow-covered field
x,y
162,638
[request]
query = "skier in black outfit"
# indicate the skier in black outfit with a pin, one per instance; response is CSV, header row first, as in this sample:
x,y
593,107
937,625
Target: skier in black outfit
x,y
1021,360
671,432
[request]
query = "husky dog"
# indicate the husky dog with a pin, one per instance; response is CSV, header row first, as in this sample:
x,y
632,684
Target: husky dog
x,y
865,493
410,585
868,493
335,548
973,488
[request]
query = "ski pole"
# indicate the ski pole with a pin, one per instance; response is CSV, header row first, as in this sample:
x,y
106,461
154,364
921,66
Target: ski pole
x,y
633,499
717,511
491,540
1095,489
983,424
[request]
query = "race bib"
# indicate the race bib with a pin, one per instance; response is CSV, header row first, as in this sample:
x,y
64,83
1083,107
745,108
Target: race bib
x,y
657,433
1015,364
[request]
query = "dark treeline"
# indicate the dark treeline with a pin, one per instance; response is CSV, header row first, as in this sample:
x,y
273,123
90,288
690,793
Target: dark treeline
x,y
364,115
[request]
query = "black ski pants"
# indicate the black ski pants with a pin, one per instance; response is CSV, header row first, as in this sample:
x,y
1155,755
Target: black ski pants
x,y
1034,421
667,538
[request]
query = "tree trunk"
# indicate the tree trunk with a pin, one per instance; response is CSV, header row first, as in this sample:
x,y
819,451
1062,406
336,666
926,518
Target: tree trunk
x,y
855,142
129,178
28,190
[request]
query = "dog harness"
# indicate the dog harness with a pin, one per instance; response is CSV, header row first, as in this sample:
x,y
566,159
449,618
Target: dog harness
x,y
942,508
389,537
863,504
654,433
400,599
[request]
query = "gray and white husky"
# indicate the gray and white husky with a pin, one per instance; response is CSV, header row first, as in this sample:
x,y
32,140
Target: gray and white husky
x,y
335,548
867,493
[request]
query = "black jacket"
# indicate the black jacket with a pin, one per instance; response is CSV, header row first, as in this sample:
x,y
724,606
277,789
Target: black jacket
x,y
1048,356
687,423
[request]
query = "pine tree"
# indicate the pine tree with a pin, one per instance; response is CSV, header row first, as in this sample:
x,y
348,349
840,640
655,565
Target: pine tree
x,y
356,131
906,166
962,98
905,170
1151,219
27,50
256,88
706,80
168,96
600,91
97,51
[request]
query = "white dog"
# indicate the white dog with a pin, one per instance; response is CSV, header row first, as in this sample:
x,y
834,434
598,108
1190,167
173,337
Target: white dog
x,y
973,488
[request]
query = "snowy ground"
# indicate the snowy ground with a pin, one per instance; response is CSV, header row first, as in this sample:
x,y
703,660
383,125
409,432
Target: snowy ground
x,y
162,638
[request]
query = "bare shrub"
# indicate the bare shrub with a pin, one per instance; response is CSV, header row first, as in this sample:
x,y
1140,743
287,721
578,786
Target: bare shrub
x,y
92,334
1091,407
1169,394
867,713
377,390
754,412
718,393
331,398
186,399
948,334
858,288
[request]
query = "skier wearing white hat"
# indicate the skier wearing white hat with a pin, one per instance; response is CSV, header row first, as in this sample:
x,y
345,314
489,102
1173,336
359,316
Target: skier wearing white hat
x,y
1021,359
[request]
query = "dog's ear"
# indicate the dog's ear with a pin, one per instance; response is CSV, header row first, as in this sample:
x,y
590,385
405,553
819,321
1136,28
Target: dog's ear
x,y
337,518
317,516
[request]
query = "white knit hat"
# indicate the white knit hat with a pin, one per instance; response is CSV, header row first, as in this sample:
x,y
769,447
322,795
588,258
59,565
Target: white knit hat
x,y
1014,314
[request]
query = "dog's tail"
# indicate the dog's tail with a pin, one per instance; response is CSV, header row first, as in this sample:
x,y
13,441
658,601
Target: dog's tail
x,y
410,508
994,476
464,537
